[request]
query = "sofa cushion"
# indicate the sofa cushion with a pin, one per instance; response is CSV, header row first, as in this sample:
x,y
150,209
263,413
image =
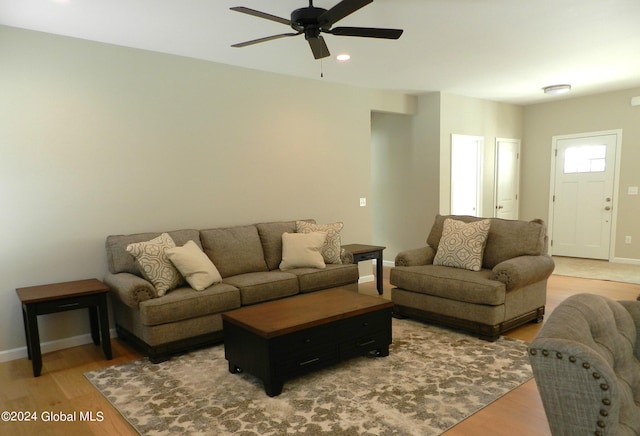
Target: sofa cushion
x,y
151,258
451,283
194,265
506,239
264,286
301,250
462,244
234,250
332,245
120,260
271,238
186,303
313,279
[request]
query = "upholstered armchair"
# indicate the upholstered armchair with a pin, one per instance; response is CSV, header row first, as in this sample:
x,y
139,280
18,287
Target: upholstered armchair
x,y
586,363
485,276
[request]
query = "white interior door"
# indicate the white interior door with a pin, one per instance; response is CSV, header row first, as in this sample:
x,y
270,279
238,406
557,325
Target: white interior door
x,y
507,178
466,164
583,196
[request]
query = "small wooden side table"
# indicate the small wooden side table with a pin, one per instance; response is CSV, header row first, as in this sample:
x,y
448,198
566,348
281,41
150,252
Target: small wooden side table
x,y
60,297
363,252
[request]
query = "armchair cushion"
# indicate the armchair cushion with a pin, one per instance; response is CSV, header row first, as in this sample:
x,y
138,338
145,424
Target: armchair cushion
x,y
506,238
452,283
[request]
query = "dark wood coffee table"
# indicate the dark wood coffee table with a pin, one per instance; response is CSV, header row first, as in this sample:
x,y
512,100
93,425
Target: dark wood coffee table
x,y
281,339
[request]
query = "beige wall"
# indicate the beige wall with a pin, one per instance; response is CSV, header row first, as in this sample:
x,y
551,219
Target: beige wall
x,y
98,139
405,175
411,162
595,113
474,117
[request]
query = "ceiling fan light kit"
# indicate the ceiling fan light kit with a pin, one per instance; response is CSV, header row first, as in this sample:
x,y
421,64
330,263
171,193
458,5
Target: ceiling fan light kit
x,y
556,89
312,21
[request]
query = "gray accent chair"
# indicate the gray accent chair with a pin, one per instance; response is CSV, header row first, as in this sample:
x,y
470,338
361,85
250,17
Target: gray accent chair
x,y
509,290
586,363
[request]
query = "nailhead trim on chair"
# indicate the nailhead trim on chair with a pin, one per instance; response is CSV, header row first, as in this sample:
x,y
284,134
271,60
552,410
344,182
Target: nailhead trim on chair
x,y
596,375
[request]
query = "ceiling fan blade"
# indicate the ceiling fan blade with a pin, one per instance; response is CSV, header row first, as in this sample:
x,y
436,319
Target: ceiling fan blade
x,y
341,10
319,47
367,32
265,39
261,15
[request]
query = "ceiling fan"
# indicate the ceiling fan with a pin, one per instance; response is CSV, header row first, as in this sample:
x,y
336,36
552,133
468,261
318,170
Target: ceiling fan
x,y
312,21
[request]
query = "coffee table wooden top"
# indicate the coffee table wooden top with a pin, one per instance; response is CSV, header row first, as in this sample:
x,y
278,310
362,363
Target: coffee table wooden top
x,y
292,314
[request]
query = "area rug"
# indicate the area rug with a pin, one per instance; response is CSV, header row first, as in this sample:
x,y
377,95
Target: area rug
x,y
432,379
596,269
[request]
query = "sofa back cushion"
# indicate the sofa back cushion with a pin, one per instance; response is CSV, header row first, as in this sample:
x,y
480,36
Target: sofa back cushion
x,y
507,238
120,260
234,250
271,238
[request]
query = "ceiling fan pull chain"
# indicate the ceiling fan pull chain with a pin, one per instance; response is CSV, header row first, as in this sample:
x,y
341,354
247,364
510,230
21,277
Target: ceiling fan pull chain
x,y
321,69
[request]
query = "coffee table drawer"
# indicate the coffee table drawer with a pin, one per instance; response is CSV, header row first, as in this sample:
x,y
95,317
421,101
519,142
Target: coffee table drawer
x,y
367,324
304,341
306,361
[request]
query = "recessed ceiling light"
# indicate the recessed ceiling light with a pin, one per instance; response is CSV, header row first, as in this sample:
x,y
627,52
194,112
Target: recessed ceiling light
x,y
343,57
556,89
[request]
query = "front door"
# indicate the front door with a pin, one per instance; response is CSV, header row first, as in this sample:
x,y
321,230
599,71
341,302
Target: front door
x,y
583,195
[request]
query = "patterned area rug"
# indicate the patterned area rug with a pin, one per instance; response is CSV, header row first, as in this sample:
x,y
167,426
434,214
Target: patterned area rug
x,y
432,379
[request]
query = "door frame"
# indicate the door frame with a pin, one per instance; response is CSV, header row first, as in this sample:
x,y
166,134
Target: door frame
x,y
616,182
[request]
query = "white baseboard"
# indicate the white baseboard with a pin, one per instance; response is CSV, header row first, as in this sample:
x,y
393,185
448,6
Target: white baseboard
x,y
366,279
625,260
47,347
389,263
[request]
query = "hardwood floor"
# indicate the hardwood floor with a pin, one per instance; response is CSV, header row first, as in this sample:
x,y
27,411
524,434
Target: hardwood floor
x,y
62,386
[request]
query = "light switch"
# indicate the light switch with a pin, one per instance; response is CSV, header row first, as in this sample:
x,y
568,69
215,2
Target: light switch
x,y
633,190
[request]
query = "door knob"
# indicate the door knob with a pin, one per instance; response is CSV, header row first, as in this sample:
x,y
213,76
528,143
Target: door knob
x,y
607,208
608,199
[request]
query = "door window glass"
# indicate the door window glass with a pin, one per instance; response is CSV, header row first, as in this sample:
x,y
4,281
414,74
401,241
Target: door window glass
x,y
585,159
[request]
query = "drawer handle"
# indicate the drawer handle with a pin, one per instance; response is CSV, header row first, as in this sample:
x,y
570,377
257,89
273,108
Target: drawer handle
x,y
69,305
365,343
309,362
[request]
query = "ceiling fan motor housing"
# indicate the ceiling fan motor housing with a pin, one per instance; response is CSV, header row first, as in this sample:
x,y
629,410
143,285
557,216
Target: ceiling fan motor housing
x,y
307,20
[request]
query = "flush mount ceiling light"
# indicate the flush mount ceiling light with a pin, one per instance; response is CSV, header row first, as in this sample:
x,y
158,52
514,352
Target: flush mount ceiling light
x,y
343,57
556,89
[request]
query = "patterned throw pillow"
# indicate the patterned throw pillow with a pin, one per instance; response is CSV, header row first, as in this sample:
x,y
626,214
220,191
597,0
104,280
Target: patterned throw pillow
x,y
332,246
154,264
462,244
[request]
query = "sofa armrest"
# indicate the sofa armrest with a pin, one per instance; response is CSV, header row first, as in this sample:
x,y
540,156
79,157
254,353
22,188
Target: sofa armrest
x,y
523,270
633,307
346,257
129,288
416,256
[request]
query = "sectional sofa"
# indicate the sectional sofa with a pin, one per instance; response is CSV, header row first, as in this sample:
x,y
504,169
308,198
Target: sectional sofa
x,y
248,259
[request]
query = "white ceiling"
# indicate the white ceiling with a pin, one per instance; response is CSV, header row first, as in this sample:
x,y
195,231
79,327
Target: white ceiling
x,y
503,50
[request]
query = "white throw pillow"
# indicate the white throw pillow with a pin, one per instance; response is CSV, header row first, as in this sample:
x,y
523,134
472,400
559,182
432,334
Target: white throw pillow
x,y
333,244
154,264
194,265
300,250
462,244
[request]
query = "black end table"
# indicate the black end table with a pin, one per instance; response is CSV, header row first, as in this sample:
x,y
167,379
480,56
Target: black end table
x,y
60,297
363,252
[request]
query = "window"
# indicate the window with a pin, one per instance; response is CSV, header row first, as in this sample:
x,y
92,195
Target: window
x,y
585,159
